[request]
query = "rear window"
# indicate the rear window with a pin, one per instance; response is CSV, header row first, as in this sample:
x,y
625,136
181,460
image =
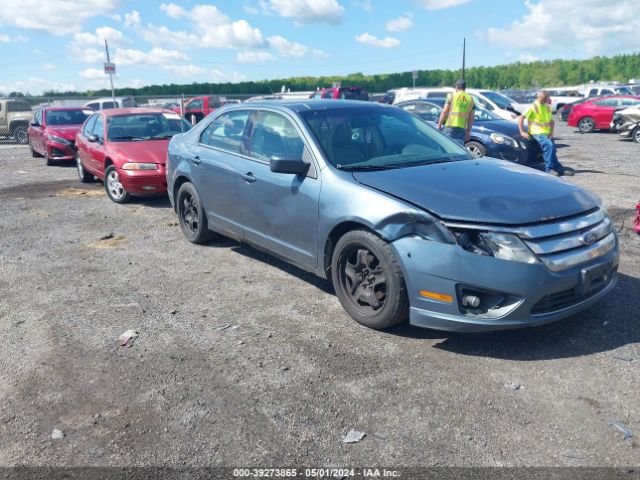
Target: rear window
x,y
106,105
354,94
18,106
437,94
66,117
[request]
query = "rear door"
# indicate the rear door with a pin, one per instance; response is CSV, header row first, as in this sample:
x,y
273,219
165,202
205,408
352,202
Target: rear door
x,y
279,211
603,111
216,165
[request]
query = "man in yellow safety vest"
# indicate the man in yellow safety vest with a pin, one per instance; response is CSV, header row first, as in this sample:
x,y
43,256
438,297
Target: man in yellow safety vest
x,y
457,115
541,127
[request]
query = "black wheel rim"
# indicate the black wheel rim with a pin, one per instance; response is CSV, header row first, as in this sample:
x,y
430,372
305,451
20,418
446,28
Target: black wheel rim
x,y
189,213
21,136
363,280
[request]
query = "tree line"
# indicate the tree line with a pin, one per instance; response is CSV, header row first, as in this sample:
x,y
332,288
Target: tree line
x,y
518,75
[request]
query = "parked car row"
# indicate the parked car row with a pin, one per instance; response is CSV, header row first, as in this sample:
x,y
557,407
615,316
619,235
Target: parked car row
x,y
404,222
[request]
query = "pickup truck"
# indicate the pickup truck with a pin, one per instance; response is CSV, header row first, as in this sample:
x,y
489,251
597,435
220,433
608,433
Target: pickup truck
x,y
200,107
15,116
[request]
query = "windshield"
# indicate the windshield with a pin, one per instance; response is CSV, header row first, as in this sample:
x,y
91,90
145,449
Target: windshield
x,y
379,138
66,117
145,126
500,100
624,91
483,115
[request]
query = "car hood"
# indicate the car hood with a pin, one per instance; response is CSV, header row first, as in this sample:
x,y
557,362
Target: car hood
x,y
501,126
152,151
67,132
483,191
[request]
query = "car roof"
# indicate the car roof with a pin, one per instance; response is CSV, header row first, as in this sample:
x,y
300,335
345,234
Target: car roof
x,y
51,109
306,105
114,112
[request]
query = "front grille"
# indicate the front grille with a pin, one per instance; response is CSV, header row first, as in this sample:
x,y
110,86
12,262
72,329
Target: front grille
x,y
570,242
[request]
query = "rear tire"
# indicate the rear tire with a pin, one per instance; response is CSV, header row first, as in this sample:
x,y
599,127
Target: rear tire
x,y
586,125
636,135
368,280
476,148
20,134
191,215
83,175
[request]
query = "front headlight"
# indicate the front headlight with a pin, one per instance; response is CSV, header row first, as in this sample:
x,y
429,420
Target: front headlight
x,y
504,246
139,166
56,139
501,139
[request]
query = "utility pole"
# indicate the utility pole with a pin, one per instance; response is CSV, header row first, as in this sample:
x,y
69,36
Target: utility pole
x,y
464,54
109,69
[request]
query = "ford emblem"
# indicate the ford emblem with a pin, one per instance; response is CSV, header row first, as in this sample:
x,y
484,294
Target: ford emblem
x,y
589,238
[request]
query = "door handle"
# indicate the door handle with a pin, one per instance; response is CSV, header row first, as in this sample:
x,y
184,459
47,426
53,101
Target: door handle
x,y
249,177
196,160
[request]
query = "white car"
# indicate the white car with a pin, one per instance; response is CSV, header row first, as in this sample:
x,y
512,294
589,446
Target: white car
x,y
562,96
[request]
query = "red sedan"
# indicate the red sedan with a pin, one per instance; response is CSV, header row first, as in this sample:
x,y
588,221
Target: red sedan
x,y
597,113
126,148
52,132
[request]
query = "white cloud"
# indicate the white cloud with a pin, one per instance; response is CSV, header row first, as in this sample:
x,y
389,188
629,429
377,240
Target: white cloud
x,y
214,28
7,39
49,66
403,22
36,86
307,11
155,56
220,76
185,70
365,5
251,10
592,27
527,58
387,42
102,33
440,4
254,57
58,17
92,73
293,49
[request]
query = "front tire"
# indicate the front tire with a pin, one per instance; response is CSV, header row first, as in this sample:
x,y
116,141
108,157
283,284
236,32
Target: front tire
x,y
368,280
47,159
114,188
586,125
193,220
476,149
636,135
34,154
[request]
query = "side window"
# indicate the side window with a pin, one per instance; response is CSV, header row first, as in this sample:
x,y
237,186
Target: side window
x,y
93,106
629,101
607,102
225,132
592,92
195,104
108,105
88,127
275,135
606,92
328,94
98,128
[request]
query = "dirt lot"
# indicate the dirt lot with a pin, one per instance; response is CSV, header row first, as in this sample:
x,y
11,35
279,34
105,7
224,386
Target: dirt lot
x,y
293,374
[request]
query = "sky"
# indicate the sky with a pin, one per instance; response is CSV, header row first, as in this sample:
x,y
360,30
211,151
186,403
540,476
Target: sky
x,y
59,44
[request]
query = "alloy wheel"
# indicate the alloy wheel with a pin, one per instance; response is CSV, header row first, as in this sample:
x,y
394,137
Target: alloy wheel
x,y
364,280
114,186
189,212
475,151
636,135
586,125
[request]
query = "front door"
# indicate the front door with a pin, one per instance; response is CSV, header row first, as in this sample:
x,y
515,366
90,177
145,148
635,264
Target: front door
x,y
279,211
96,150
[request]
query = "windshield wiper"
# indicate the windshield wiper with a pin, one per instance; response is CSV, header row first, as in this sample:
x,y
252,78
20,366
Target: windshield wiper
x,y
362,167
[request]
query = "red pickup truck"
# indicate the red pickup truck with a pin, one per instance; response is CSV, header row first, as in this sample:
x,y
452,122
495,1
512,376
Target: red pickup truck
x,y
200,107
343,93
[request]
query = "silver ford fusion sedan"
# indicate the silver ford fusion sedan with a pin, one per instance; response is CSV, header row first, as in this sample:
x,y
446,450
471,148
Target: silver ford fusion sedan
x,y
402,221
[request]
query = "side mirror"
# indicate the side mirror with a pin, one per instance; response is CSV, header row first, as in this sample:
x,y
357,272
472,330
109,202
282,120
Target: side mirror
x,y
93,138
35,124
288,164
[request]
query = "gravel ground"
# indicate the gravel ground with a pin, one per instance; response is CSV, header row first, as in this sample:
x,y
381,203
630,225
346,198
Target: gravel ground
x,y
293,374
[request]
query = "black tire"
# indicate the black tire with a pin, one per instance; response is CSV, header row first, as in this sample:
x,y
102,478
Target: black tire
x,y
368,280
193,220
20,134
47,159
83,175
586,125
476,148
113,187
636,134
34,154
